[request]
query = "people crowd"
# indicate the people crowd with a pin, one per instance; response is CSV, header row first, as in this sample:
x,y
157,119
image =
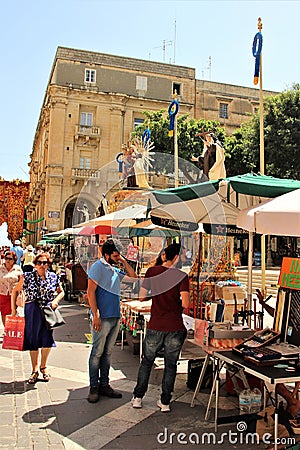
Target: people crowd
x,y
30,271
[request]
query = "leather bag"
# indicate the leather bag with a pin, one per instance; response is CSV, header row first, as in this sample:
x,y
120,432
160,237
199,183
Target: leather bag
x,y
52,317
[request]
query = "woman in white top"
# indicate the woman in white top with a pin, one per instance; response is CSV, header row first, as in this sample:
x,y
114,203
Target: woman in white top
x,y
10,274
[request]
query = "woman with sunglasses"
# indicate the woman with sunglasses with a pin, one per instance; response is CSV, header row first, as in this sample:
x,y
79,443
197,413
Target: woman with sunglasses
x,y
10,274
41,287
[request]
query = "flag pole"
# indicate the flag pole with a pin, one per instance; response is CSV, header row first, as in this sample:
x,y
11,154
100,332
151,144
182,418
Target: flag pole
x,y
262,162
172,111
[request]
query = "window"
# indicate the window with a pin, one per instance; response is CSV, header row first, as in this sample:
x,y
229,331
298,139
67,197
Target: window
x,y
223,111
137,122
141,83
84,162
90,76
141,86
177,88
86,119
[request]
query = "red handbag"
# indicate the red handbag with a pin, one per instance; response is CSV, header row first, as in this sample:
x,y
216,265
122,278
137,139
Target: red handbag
x,y
13,333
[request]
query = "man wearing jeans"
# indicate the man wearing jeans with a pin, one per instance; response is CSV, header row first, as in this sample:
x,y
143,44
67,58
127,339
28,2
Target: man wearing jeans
x,y
169,289
103,294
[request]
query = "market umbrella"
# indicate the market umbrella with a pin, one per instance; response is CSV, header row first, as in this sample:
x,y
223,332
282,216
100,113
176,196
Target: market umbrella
x,y
183,208
97,229
279,216
121,218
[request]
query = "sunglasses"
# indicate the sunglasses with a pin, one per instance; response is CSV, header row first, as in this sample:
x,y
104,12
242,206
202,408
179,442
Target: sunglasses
x,y
42,263
9,259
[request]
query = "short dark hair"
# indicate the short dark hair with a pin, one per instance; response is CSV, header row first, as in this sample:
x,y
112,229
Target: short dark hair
x,y
109,247
172,250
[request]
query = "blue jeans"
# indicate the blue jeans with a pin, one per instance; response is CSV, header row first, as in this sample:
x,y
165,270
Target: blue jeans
x,y
171,342
103,342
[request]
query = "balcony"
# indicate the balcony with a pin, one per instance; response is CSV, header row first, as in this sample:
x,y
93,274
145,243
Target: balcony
x,y
83,174
87,130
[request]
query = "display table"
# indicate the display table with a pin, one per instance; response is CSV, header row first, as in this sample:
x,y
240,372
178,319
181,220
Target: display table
x,y
267,374
134,317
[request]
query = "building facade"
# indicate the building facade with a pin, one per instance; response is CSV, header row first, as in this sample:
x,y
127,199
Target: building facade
x,y
92,103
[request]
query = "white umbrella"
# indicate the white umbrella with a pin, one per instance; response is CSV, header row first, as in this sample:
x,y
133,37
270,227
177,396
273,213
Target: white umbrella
x,y
121,218
64,232
279,216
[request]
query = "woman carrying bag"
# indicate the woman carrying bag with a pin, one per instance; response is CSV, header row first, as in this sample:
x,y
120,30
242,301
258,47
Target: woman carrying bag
x,y
10,274
41,287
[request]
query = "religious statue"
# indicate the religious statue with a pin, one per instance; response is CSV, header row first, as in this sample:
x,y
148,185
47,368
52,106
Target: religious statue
x,y
212,158
136,161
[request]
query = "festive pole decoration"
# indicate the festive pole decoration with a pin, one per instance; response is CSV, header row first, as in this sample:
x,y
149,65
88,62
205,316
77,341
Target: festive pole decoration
x,y
256,51
172,111
146,137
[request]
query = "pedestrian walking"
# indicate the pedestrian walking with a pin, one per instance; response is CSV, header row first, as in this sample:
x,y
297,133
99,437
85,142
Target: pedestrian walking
x,y
28,258
103,292
41,287
168,287
18,251
10,274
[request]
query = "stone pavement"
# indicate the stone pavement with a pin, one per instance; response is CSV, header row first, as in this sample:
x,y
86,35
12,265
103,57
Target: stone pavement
x,y
56,415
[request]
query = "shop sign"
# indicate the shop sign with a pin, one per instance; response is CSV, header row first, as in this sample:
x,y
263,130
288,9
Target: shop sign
x,y
54,214
290,273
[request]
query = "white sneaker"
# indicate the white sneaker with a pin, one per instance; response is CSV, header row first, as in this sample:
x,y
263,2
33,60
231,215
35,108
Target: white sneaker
x,y
163,408
136,402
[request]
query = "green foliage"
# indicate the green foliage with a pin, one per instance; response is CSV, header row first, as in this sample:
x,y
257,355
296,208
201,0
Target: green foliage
x,y
188,143
281,139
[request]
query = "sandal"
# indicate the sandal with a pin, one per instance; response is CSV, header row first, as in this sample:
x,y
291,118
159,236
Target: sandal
x,y
33,378
46,376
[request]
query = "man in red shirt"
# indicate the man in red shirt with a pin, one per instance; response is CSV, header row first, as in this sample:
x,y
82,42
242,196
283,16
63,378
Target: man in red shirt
x,y
169,289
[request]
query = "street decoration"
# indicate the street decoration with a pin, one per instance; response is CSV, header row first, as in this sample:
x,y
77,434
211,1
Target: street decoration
x,y
256,51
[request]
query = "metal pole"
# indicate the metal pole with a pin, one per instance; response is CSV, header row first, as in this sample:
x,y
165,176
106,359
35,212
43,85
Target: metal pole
x,y
262,165
175,153
250,256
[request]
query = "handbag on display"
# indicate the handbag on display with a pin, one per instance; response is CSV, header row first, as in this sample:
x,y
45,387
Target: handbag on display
x,y
52,317
13,333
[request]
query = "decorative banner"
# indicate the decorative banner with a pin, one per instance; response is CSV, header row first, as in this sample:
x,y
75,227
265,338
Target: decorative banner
x,y
256,51
13,198
34,221
172,111
146,137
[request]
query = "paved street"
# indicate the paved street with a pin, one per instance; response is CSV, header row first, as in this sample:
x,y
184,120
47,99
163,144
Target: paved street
x,y
56,415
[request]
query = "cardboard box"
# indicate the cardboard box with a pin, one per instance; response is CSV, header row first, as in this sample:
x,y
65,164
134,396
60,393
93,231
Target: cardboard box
x,y
226,292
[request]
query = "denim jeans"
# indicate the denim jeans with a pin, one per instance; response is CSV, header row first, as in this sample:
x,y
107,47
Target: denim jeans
x,y
103,342
171,342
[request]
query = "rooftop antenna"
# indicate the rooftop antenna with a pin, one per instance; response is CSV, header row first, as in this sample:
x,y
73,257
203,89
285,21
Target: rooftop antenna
x,y
174,41
209,67
165,44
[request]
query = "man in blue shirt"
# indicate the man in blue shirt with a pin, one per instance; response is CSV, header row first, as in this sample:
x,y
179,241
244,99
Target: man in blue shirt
x,y
103,292
18,251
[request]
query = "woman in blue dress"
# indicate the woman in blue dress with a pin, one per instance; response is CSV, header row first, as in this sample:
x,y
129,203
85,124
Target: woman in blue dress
x,y
41,287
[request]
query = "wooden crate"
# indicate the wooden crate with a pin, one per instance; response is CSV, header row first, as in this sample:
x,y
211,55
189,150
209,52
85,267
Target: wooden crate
x,y
226,293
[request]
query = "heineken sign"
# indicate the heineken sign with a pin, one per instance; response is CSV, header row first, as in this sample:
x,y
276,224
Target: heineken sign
x,y
224,230
174,224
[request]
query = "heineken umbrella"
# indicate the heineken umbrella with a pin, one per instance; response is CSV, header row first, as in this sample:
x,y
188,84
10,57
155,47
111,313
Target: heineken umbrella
x,y
184,208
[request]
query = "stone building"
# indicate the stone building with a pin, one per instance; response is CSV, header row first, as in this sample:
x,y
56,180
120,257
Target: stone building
x,y
92,103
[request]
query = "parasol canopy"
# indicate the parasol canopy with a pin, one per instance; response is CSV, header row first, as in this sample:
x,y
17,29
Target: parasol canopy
x,y
279,216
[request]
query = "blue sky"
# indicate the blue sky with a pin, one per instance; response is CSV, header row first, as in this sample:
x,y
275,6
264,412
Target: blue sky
x,y
223,30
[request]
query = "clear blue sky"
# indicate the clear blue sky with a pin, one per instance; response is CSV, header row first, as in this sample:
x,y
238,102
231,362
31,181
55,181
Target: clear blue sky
x,y
223,30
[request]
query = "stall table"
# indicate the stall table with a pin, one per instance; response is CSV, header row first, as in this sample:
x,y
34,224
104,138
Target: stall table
x,y
266,374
